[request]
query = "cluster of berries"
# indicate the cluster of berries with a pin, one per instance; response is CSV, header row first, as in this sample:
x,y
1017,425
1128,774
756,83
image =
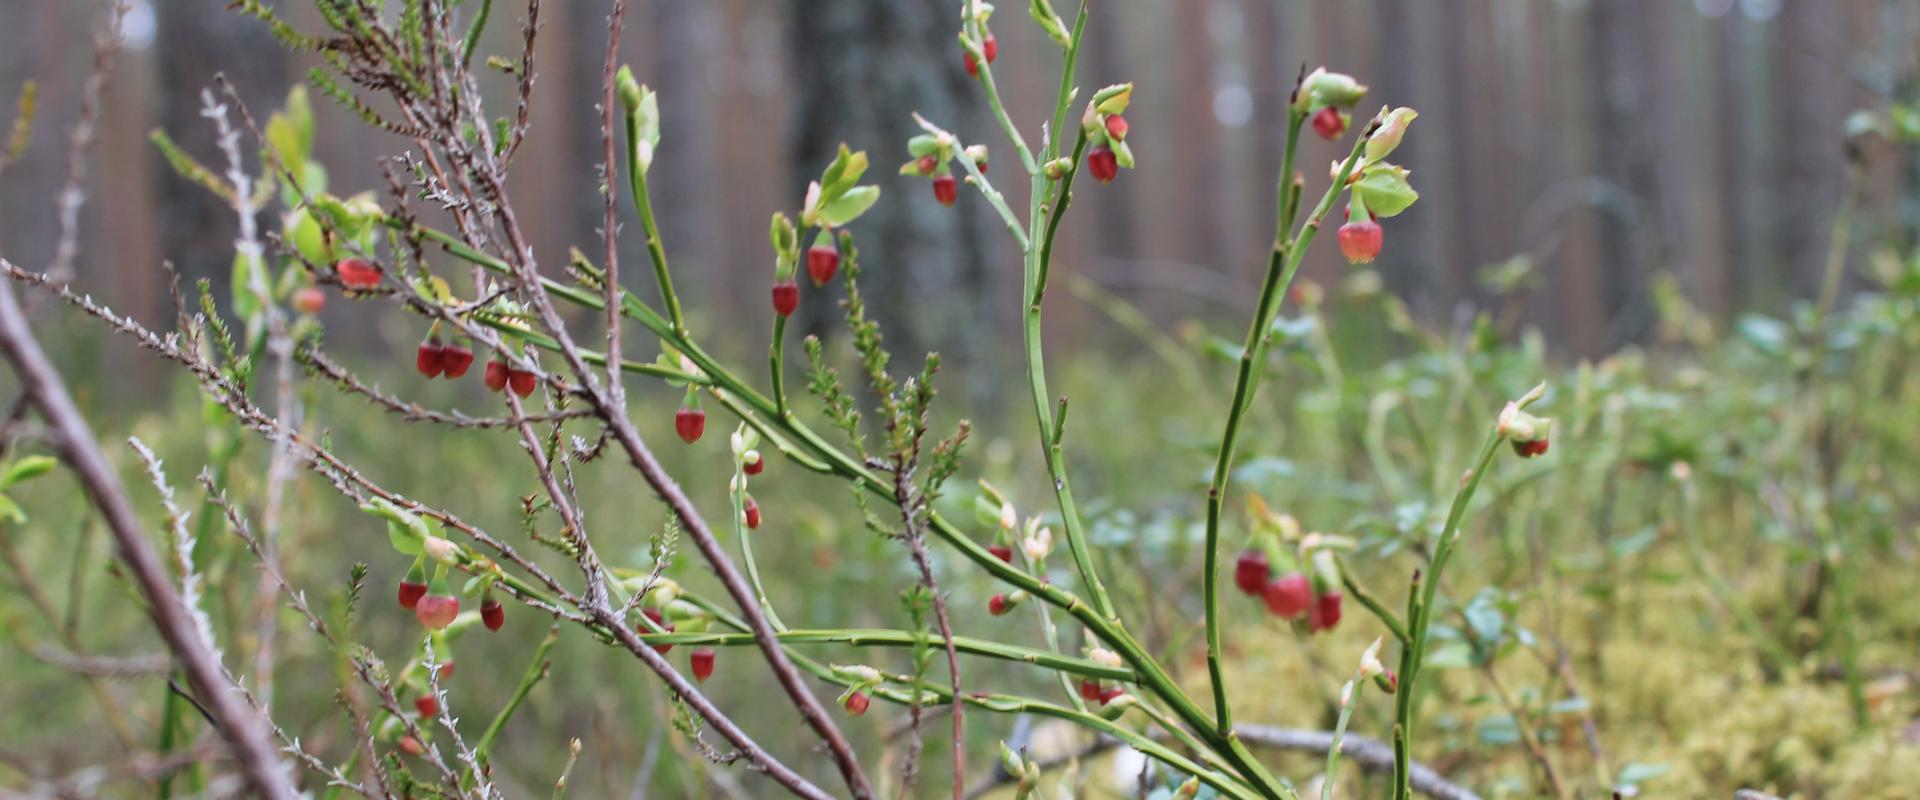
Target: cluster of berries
x,y
1289,596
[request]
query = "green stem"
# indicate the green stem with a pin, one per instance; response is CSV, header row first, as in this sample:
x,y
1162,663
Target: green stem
x,y
643,204
889,637
776,362
536,670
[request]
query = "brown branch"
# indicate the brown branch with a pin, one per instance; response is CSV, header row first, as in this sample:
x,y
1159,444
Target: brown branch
x,y
246,732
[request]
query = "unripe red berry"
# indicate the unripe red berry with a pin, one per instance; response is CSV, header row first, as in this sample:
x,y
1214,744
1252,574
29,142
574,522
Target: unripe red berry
x,y
521,381
822,262
446,671
455,359
437,611
411,592
1001,551
702,663
654,614
1360,241
1329,123
946,189
1250,571
1117,127
997,605
752,512
1089,690
1111,695
1103,164
495,375
689,423
1537,447
927,164
430,357
358,273
426,705
990,48
1288,596
857,703
755,464
1325,612
309,300
492,614
786,298
410,746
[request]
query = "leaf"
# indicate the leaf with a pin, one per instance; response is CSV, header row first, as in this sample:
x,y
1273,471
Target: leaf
x,y
845,171
1498,730
849,206
1385,191
245,303
1571,705
1637,773
645,122
284,137
924,144
10,511
1387,137
1452,656
1766,334
26,468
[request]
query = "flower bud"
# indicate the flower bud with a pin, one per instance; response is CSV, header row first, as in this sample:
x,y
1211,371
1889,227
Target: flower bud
x,y
440,549
1009,518
1039,544
1322,88
1058,168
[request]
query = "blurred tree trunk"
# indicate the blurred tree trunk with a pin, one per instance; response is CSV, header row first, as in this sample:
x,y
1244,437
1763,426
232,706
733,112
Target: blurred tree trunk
x,y
860,69
195,40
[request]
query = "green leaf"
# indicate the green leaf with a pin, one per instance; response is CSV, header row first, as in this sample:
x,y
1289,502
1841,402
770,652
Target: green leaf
x,y
1456,655
10,511
1498,731
1122,154
843,173
849,206
284,137
923,145
245,303
26,468
1387,137
1637,773
1571,705
404,528
1385,191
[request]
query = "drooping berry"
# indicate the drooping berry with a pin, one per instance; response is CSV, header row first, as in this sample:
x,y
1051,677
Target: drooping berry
x,y
492,614
689,423
857,703
1089,690
946,189
822,262
1537,447
786,298
1325,612
410,746
1103,163
1111,695
1001,551
654,614
702,663
1329,123
446,671
426,705
358,273
989,48
1288,596
496,375
997,605
430,357
927,164
1117,127
1360,241
437,611
521,381
455,359
753,464
1250,571
309,300
752,512
411,592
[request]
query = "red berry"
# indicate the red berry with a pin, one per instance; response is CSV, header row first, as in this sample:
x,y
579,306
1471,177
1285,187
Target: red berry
x,y
1089,690
946,190
1360,241
997,605
786,298
496,375
437,611
411,592
822,262
1117,127
1325,612
756,466
654,614
1001,551
702,663
492,614
1329,123
521,381
980,164
857,703
455,359
1537,447
990,48
1251,570
358,273
690,423
410,746
1288,597
1111,695
752,511
446,671
309,300
927,164
426,705
1103,164
430,357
